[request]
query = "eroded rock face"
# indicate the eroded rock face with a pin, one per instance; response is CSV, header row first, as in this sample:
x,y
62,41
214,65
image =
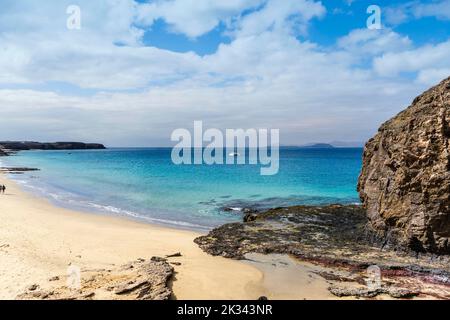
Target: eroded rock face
x,y
405,180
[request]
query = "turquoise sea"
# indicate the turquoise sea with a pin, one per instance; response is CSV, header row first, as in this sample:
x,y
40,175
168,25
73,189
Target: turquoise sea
x,y
143,183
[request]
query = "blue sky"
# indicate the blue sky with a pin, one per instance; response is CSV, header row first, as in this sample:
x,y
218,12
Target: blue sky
x,y
136,70
342,17
160,36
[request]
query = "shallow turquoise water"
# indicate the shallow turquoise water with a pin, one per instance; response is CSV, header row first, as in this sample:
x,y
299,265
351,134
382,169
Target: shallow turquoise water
x,y
145,184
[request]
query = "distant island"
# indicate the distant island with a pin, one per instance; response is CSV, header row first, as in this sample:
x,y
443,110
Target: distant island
x,y
319,146
7,146
328,145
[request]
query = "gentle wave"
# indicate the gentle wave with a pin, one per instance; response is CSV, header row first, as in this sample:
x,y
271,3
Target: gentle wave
x,y
67,198
116,210
144,184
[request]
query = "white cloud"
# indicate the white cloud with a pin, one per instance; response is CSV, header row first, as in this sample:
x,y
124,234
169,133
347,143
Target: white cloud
x,y
432,75
193,17
331,105
398,14
373,42
265,77
197,17
429,57
438,9
289,16
43,49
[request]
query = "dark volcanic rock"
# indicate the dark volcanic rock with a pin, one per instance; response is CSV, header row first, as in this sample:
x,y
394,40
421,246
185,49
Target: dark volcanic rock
x,y
333,237
31,145
244,210
17,169
405,179
282,230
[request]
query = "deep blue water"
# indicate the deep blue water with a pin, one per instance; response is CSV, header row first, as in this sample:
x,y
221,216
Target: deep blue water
x,y
145,184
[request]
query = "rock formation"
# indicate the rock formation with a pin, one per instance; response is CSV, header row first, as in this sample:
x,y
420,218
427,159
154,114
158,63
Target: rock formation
x,y
137,280
405,180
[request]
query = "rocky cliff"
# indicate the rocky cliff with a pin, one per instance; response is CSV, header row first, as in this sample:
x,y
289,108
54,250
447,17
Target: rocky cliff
x,y
405,180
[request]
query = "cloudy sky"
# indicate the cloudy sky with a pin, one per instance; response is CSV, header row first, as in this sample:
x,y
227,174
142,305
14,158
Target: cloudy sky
x,y
136,70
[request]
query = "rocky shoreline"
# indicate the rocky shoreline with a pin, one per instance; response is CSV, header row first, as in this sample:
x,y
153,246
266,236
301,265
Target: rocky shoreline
x,y
17,170
335,238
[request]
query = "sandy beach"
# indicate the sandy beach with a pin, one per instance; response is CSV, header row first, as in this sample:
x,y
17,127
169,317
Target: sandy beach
x,y
39,241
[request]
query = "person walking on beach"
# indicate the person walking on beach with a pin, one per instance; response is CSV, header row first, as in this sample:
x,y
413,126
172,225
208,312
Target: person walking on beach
x,y
3,189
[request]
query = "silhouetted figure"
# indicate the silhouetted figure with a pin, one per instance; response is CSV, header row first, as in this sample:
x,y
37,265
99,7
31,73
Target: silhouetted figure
x,y
3,189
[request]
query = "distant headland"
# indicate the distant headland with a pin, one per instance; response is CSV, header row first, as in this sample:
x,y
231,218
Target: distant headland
x,y
8,146
319,146
328,145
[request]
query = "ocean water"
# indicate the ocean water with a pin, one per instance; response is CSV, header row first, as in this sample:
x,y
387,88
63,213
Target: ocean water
x,y
143,183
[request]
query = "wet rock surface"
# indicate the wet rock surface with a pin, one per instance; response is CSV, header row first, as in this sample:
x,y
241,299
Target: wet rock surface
x,y
137,280
17,170
405,179
334,237
282,230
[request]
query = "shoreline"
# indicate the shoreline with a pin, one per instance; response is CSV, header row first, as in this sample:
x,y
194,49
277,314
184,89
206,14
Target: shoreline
x,y
174,206
39,240
102,210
